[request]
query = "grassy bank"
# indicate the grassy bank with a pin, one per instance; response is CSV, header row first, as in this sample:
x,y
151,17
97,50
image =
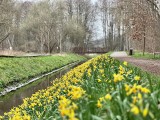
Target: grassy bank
x,y
146,55
20,69
100,89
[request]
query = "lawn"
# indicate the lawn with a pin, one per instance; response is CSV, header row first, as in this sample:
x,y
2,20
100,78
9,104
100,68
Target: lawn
x,y
146,55
100,89
13,70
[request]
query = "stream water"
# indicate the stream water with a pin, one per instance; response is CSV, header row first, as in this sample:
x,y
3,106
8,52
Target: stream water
x,y
15,98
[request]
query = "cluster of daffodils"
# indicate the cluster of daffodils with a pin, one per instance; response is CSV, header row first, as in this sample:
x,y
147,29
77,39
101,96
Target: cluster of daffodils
x,y
76,92
135,89
67,108
100,88
107,97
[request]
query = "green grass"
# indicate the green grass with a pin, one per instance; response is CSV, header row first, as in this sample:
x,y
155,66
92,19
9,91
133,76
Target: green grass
x,y
146,55
152,80
109,53
21,69
95,55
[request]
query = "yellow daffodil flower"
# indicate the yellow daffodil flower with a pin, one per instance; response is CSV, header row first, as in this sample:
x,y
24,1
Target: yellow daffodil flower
x,y
99,105
135,110
137,78
125,63
108,97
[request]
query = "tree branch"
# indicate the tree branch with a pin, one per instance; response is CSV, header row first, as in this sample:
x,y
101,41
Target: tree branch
x,y
4,38
156,7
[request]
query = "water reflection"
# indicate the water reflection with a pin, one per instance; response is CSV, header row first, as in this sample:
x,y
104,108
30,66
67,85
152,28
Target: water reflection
x,y
15,98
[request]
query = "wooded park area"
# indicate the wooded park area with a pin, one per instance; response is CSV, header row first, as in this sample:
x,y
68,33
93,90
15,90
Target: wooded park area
x,y
51,26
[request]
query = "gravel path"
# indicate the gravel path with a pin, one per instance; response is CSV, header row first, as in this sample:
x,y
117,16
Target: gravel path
x,y
119,54
152,66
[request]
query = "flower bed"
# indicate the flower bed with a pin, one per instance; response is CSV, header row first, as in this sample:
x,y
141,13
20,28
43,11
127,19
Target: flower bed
x,y
101,88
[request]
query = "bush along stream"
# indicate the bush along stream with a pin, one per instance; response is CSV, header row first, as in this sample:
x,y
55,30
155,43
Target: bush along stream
x,y
19,70
100,89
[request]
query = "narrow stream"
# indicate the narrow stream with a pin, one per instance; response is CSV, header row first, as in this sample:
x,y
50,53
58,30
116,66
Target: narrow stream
x,y
15,98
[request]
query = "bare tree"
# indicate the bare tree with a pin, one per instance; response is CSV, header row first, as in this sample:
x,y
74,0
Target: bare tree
x,y
6,17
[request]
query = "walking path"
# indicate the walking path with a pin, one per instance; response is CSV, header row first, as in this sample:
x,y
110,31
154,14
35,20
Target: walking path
x,y
119,54
152,66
